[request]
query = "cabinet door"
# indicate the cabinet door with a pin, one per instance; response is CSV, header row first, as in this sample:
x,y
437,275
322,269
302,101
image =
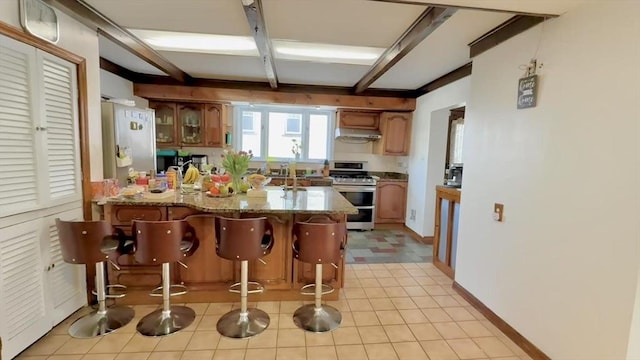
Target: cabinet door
x,y
391,201
191,124
23,305
166,123
213,125
396,133
358,119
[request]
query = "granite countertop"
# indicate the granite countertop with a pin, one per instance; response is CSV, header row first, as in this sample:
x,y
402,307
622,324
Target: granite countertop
x,y
389,176
313,200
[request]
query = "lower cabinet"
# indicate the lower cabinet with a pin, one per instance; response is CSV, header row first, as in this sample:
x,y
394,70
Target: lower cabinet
x,y
37,288
391,201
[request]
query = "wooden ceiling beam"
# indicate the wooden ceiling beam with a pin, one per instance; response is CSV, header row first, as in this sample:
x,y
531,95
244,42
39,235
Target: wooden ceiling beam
x,y
515,12
91,17
425,24
503,32
446,79
255,16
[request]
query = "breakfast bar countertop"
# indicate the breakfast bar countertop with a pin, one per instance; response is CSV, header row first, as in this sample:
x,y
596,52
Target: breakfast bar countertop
x,y
309,200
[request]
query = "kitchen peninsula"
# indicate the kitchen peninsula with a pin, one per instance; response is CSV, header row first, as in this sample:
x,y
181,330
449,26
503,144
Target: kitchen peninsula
x,y
208,276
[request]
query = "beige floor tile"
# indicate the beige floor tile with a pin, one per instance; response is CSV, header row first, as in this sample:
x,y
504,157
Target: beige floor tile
x,y
365,318
435,290
197,355
360,305
445,300
291,338
436,315
474,328
390,317
413,316
425,302
351,352
410,351
139,343
267,339
392,266
260,354
322,353
424,332
294,353
347,320
133,356
493,347
65,357
231,354
382,304
174,342
352,283
425,280
131,327
459,313
99,356
77,346
438,350
271,307
466,349
404,303
377,267
417,272
113,343
354,293
218,308
476,314
396,291
381,352
382,273
289,307
346,336
208,322
398,273
415,291
232,343
47,345
373,334
399,333
318,339
407,281
370,283
364,274
460,300
376,293
204,340
388,281
341,305
408,266
165,355
450,330
199,308
285,321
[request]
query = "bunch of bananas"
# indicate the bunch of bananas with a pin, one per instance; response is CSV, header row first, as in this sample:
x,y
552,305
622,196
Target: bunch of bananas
x,y
191,176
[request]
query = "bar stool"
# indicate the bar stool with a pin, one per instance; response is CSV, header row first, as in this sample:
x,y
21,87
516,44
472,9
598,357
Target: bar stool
x,y
318,241
243,240
95,242
163,242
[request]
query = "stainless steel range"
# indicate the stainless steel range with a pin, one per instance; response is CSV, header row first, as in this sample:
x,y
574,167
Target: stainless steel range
x,y
351,179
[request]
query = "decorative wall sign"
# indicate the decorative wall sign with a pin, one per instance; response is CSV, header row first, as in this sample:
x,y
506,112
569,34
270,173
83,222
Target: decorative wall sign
x,y
527,87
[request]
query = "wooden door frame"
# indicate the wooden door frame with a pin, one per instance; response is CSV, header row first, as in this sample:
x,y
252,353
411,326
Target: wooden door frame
x,y
453,196
454,114
83,114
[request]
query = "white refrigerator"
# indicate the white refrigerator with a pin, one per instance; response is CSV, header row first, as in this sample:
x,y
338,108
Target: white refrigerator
x,y
128,140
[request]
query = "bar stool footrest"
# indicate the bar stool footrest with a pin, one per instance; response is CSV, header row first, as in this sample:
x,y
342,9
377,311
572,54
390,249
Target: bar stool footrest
x,y
112,296
257,288
326,289
158,291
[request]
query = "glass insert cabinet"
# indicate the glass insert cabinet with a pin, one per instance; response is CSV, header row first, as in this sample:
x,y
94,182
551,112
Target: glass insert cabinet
x,y
188,124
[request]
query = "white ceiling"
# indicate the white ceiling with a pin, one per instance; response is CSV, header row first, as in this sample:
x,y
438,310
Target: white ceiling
x,y
341,22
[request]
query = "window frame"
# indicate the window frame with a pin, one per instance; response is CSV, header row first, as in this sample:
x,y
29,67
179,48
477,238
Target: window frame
x,y
306,113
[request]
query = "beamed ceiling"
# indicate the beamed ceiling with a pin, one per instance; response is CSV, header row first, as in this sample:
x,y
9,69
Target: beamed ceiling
x,y
417,42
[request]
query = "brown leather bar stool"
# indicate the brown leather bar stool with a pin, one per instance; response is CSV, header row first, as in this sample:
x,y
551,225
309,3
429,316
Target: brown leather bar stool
x,y
318,241
164,242
94,242
243,240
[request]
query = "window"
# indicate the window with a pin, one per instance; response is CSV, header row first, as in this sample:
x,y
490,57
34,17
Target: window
x,y
272,131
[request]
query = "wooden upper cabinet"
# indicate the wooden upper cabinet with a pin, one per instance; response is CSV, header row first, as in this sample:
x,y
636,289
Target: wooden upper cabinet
x,y
395,128
352,119
391,201
213,124
191,124
166,123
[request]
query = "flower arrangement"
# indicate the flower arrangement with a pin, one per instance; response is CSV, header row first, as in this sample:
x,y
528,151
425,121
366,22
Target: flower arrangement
x,y
236,165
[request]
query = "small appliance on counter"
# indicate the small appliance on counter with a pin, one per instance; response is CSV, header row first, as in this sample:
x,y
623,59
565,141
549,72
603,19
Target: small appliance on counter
x,y
199,160
454,175
166,158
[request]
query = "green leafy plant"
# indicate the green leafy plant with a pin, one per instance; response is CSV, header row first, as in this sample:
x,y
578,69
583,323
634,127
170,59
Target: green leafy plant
x,y
236,163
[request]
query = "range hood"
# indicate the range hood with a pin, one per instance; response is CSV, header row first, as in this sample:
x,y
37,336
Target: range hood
x,y
362,134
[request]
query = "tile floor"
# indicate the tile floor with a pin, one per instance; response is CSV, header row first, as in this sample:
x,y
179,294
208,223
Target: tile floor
x,y
385,246
390,311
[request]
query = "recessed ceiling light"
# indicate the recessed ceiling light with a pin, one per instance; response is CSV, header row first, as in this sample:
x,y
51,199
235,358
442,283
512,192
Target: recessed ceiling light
x,y
194,42
295,50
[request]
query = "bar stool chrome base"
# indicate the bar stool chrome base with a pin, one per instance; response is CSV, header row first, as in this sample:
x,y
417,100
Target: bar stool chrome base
x,y
160,322
234,324
322,319
100,323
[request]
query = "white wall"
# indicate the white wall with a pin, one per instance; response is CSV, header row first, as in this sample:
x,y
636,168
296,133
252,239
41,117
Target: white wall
x,y
562,269
426,160
114,86
81,41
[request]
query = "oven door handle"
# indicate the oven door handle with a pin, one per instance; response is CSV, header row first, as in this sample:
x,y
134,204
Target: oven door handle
x,y
354,189
365,207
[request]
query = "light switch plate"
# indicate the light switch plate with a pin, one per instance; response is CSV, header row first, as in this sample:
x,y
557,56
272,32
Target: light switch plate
x,y
498,212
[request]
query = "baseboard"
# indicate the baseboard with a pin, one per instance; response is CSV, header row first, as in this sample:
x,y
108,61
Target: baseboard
x,y
427,240
511,333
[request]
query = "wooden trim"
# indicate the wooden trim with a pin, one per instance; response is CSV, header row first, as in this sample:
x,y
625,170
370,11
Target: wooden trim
x,y
427,240
511,333
453,115
92,18
119,70
208,94
503,32
19,35
446,79
258,26
450,216
453,196
423,26
422,3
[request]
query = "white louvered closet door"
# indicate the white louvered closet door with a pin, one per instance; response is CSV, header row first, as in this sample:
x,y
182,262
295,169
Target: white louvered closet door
x,y
66,283
18,109
58,94
22,299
